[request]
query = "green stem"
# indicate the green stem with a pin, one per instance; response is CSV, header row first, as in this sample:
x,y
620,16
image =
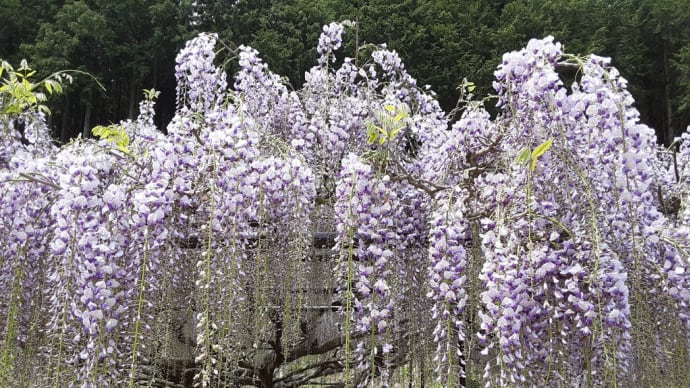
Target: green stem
x,y
8,354
348,294
57,381
140,306
208,362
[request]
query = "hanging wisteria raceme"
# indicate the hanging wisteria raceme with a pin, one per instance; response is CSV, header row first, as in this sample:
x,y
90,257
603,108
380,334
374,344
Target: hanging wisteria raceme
x,y
364,208
639,233
200,84
250,197
447,277
84,279
334,113
262,92
594,136
24,136
26,225
329,41
544,306
647,241
532,276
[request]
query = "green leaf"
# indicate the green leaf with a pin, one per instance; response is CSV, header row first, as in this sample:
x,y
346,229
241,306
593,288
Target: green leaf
x,y
539,151
114,134
542,148
151,94
44,109
373,135
523,156
400,116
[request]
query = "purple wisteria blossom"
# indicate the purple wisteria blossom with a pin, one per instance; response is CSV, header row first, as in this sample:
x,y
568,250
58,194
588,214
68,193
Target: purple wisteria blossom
x,y
200,84
447,278
366,209
329,41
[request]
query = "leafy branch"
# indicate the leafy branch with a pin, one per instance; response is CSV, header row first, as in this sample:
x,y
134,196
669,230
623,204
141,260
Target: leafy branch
x,y
19,93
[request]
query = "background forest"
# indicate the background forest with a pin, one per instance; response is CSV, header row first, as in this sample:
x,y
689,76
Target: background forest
x,y
130,45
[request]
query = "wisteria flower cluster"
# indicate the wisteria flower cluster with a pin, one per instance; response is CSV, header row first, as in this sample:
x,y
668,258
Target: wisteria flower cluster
x,y
545,245
366,213
447,277
330,41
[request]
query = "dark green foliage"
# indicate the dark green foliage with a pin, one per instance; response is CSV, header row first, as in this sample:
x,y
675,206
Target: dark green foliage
x,y
20,21
127,46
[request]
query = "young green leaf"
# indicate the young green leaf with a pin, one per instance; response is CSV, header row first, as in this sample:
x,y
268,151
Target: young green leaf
x,y
523,156
400,116
372,133
539,151
542,148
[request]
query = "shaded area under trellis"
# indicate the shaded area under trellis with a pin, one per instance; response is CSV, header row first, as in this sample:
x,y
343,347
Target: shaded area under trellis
x,y
316,355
